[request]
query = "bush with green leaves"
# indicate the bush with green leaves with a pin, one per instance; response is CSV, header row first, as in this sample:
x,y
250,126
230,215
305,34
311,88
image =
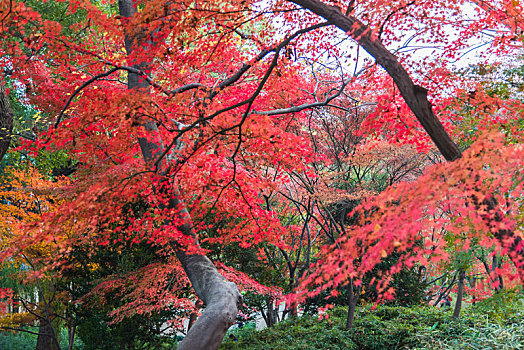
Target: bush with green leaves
x,y
490,324
504,307
26,341
301,333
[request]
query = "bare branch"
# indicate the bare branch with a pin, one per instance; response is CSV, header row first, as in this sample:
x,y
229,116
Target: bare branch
x,y
416,97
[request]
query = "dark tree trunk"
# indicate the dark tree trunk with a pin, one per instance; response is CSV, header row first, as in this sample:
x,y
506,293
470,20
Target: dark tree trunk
x,y
271,317
46,339
192,319
270,314
497,263
194,315
460,293
292,311
6,122
512,243
71,330
494,277
353,296
221,297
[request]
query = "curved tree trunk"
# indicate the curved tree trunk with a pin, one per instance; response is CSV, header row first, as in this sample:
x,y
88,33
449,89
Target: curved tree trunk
x,y
221,297
6,122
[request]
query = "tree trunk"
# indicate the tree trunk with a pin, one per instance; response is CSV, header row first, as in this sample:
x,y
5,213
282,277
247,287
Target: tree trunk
x,y
460,293
494,266
270,314
192,319
271,317
71,330
46,339
194,315
221,297
353,296
6,122
292,311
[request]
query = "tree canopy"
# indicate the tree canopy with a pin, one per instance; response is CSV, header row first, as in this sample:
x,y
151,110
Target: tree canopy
x,y
154,143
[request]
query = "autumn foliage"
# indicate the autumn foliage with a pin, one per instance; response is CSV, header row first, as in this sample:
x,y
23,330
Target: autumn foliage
x,y
248,124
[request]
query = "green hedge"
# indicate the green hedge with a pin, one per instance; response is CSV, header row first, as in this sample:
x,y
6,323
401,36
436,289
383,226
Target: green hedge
x,y
304,333
497,323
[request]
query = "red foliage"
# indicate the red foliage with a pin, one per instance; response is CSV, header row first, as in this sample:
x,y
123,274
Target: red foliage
x,y
225,98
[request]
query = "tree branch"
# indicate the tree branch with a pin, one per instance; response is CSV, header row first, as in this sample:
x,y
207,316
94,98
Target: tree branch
x,y
416,97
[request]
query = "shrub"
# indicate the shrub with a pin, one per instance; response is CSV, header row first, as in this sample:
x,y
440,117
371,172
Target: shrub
x,y
305,332
506,306
25,341
496,323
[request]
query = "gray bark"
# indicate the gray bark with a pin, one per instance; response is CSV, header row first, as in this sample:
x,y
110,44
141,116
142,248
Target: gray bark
x,y
6,122
221,297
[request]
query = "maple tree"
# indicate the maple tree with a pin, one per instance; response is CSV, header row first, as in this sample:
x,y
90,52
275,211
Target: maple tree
x,y
112,155
416,99
188,110
26,196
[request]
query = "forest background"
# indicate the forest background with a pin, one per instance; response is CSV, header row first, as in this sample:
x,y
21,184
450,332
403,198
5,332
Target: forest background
x,y
173,163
